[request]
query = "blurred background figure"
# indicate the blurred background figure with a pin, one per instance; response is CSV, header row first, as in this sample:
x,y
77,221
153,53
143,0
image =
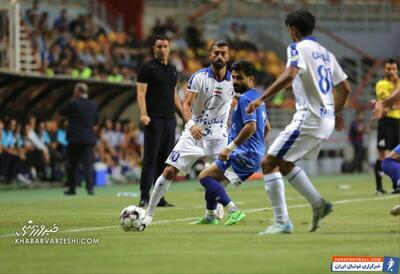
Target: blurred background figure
x,y
356,136
82,115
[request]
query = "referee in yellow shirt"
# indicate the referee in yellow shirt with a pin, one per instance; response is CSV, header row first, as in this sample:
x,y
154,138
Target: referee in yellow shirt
x,y
389,126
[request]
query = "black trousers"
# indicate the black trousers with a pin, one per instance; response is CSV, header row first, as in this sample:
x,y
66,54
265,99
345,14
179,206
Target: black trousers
x,y
159,140
80,154
358,156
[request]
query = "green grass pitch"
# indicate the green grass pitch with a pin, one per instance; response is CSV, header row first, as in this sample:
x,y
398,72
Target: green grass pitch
x,y
360,225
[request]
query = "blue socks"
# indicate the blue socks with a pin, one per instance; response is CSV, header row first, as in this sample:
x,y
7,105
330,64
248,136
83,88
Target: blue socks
x,y
215,193
392,168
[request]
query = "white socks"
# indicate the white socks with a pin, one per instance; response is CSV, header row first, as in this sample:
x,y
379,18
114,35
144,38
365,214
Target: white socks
x,y
231,207
276,192
160,188
211,214
299,180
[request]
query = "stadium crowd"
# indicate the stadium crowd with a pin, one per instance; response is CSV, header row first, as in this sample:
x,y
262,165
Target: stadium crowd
x,y
82,48
37,150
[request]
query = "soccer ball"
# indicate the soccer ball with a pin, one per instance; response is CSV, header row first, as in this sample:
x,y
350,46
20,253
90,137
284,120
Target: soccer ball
x,y
131,218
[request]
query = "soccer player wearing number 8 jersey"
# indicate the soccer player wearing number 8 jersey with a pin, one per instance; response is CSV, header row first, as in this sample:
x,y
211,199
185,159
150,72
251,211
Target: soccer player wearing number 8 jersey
x,y
313,72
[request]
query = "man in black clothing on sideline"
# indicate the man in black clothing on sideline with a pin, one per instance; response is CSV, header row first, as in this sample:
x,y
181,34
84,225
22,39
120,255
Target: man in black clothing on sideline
x,y
157,98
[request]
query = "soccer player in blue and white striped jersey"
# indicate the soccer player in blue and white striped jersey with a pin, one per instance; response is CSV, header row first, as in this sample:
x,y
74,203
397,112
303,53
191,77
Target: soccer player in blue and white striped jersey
x,y
313,72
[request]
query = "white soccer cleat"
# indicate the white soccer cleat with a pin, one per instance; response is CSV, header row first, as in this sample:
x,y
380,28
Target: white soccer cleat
x,y
395,211
147,220
278,229
220,211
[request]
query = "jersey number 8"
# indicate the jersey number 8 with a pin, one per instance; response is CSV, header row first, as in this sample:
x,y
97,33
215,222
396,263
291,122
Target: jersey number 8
x,y
324,83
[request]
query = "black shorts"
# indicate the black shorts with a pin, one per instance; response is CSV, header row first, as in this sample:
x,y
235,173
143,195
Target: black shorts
x,y
388,133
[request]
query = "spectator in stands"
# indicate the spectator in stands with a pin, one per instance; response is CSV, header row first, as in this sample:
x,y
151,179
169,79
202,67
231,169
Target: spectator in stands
x,y
76,27
32,14
10,153
56,151
86,57
244,39
81,70
158,28
61,22
356,136
43,133
43,25
59,48
131,40
110,136
131,140
119,136
115,75
82,116
193,36
171,28
2,150
39,150
232,33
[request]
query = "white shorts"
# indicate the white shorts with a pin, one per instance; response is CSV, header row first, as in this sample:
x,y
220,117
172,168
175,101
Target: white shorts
x,y
293,145
188,150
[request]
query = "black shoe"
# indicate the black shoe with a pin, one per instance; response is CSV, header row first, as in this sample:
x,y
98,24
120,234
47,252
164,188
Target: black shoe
x,y
395,191
69,192
164,203
90,192
143,203
380,192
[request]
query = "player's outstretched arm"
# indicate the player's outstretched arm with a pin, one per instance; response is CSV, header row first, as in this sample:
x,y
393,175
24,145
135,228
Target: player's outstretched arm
x,y
196,131
247,131
282,82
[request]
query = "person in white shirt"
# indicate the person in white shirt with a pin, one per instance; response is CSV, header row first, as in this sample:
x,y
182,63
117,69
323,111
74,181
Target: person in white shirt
x,y
313,72
205,110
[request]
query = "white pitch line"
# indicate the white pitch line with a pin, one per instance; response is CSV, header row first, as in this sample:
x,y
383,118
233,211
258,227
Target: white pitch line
x,y
194,218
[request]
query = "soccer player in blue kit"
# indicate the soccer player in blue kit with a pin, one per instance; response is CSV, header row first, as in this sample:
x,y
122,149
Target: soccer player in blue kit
x,y
242,156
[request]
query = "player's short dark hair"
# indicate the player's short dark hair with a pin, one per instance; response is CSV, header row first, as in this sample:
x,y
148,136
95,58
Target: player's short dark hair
x,y
244,66
302,20
160,37
220,43
391,61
